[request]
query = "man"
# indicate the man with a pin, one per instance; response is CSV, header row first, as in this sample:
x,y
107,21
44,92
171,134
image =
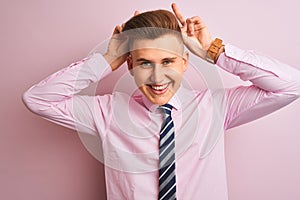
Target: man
x,y
168,142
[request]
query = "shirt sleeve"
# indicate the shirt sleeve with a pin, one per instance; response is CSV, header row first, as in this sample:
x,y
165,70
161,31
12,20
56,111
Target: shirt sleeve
x,y
274,85
56,97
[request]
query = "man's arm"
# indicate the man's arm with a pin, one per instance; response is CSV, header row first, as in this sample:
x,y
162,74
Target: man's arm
x,y
56,97
275,85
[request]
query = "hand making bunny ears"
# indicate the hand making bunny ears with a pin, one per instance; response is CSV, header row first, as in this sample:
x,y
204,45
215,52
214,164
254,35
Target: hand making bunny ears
x,y
195,33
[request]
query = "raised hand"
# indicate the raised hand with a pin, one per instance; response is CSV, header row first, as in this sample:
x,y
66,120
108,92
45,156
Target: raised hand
x,y
195,33
117,50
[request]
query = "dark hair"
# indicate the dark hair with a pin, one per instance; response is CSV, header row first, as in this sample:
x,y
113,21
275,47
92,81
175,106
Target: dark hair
x,y
151,25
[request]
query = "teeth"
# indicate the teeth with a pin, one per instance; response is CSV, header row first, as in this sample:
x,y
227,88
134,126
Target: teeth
x,y
159,87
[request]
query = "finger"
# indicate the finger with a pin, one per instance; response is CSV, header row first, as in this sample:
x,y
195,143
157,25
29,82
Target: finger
x,y
118,34
198,21
115,30
118,29
190,27
136,13
195,19
178,14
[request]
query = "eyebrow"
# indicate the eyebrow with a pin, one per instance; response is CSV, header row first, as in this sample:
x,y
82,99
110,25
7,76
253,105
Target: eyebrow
x,y
146,60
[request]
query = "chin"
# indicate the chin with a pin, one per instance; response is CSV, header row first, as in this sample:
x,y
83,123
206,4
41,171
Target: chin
x,y
159,101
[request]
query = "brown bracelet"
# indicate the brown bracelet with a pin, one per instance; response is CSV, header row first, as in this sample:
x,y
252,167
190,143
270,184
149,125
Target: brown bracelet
x,y
213,51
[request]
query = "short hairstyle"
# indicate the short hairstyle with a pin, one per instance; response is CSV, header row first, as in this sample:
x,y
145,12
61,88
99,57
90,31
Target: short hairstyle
x,y
151,25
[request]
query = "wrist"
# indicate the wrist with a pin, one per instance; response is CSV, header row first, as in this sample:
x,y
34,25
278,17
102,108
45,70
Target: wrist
x,y
108,57
110,60
114,61
214,51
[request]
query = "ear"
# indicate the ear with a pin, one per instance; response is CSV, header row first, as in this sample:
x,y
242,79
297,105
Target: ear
x,y
130,64
185,60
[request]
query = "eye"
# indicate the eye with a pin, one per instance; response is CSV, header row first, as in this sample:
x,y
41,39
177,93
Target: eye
x,y
167,62
146,64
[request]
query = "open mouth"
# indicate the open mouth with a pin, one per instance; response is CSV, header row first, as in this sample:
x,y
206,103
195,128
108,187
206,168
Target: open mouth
x,y
159,89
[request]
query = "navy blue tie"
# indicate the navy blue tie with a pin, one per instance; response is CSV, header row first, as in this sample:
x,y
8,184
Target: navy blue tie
x,y
167,178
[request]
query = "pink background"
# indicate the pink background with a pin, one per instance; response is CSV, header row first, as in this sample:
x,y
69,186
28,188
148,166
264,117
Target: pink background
x,y
40,160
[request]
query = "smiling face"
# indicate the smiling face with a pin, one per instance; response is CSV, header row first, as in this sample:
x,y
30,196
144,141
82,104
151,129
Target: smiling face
x,y
158,66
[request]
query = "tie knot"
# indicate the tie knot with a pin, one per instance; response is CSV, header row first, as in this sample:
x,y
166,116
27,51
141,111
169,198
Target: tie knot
x,y
167,108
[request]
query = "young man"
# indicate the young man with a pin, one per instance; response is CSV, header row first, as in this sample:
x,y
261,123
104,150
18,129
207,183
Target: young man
x,y
168,142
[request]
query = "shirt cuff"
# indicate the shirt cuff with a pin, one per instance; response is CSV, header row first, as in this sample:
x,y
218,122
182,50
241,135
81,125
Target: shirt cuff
x,y
232,56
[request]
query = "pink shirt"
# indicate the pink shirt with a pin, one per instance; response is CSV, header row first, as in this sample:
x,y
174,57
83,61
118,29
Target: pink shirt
x,y
128,126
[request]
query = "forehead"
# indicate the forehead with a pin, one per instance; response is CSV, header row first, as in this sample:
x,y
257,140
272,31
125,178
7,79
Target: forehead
x,y
167,44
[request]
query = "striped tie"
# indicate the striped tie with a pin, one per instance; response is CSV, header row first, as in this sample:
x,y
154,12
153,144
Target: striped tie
x,y
167,179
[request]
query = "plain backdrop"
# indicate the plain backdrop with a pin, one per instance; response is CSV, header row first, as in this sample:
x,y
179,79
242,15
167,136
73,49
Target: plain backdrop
x,y
40,160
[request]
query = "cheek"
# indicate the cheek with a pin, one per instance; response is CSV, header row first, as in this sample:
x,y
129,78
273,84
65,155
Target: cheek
x,y
174,74
141,77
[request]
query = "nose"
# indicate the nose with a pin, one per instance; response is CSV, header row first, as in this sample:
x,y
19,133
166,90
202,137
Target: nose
x,y
157,74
